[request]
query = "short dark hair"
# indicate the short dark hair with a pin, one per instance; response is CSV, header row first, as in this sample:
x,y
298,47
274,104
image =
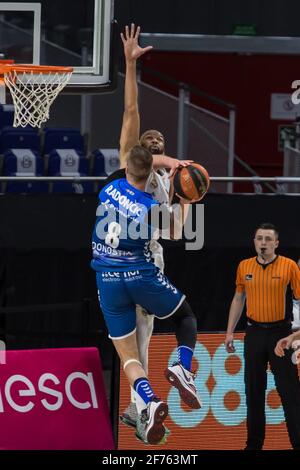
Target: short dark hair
x,y
267,226
151,131
139,163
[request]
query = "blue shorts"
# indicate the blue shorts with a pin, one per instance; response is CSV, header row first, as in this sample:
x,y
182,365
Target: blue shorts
x,y
120,292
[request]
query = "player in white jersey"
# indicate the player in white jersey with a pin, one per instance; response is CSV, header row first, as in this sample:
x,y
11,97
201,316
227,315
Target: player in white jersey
x,y
158,184
296,311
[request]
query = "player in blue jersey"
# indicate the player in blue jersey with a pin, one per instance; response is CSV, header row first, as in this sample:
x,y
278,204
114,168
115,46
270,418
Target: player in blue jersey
x,y
126,276
158,183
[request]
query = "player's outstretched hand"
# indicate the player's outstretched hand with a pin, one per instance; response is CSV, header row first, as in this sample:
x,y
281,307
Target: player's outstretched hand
x,y
130,37
176,164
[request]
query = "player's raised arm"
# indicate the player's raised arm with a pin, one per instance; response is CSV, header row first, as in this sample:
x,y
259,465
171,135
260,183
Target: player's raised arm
x,y
131,120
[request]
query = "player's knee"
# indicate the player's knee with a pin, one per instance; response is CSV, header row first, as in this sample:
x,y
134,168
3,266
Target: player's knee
x,y
185,325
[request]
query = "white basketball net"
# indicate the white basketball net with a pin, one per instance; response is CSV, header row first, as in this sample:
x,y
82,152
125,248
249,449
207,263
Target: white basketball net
x,y
33,94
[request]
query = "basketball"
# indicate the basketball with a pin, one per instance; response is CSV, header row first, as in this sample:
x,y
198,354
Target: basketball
x,y
191,182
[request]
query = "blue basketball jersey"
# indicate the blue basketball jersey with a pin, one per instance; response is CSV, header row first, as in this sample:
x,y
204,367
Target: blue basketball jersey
x,y
122,234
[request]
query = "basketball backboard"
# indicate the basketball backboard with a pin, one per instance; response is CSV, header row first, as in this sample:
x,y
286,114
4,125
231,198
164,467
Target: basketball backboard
x,y
64,33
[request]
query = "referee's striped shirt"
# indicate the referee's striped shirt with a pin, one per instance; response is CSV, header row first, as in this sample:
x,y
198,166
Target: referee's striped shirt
x,y
265,286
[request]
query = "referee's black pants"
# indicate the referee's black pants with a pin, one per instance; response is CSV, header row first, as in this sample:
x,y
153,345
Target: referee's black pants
x,y
258,351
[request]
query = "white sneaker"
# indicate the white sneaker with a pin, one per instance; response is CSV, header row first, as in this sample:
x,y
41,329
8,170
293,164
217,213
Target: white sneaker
x,y
150,428
183,380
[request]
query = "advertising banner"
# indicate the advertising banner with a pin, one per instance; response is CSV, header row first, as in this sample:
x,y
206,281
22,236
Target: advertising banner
x,y
221,422
53,399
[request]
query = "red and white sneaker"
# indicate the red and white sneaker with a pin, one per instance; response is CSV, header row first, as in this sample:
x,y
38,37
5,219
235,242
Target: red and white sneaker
x,y
183,380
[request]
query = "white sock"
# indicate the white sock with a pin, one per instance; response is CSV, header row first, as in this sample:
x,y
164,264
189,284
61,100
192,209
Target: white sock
x,y
140,404
132,395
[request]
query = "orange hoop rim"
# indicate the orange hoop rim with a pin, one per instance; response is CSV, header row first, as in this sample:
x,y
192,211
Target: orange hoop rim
x,y
35,69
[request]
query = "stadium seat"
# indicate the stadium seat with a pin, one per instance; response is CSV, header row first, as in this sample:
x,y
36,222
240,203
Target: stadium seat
x,y
13,138
69,162
9,129
57,130
106,161
6,115
63,138
24,162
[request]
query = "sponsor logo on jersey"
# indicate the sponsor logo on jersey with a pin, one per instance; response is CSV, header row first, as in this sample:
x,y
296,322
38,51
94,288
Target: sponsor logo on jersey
x,y
131,274
111,274
130,192
99,247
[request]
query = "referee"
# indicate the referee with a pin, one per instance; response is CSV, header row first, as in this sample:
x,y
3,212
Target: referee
x,y
264,282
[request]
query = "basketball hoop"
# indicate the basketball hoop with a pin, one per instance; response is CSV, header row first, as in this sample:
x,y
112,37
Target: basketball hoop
x,y
33,89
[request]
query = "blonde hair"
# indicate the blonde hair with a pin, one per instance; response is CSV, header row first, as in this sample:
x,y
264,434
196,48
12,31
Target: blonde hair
x,y
139,163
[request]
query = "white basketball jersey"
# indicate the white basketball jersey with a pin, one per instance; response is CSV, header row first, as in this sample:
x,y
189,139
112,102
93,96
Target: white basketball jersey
x,y
296,314
158,185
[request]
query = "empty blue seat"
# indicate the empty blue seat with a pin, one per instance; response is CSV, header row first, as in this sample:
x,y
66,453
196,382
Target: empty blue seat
x,y
106,161
57,130
10,129
19,139
63,139
6,115
24,162
69,162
